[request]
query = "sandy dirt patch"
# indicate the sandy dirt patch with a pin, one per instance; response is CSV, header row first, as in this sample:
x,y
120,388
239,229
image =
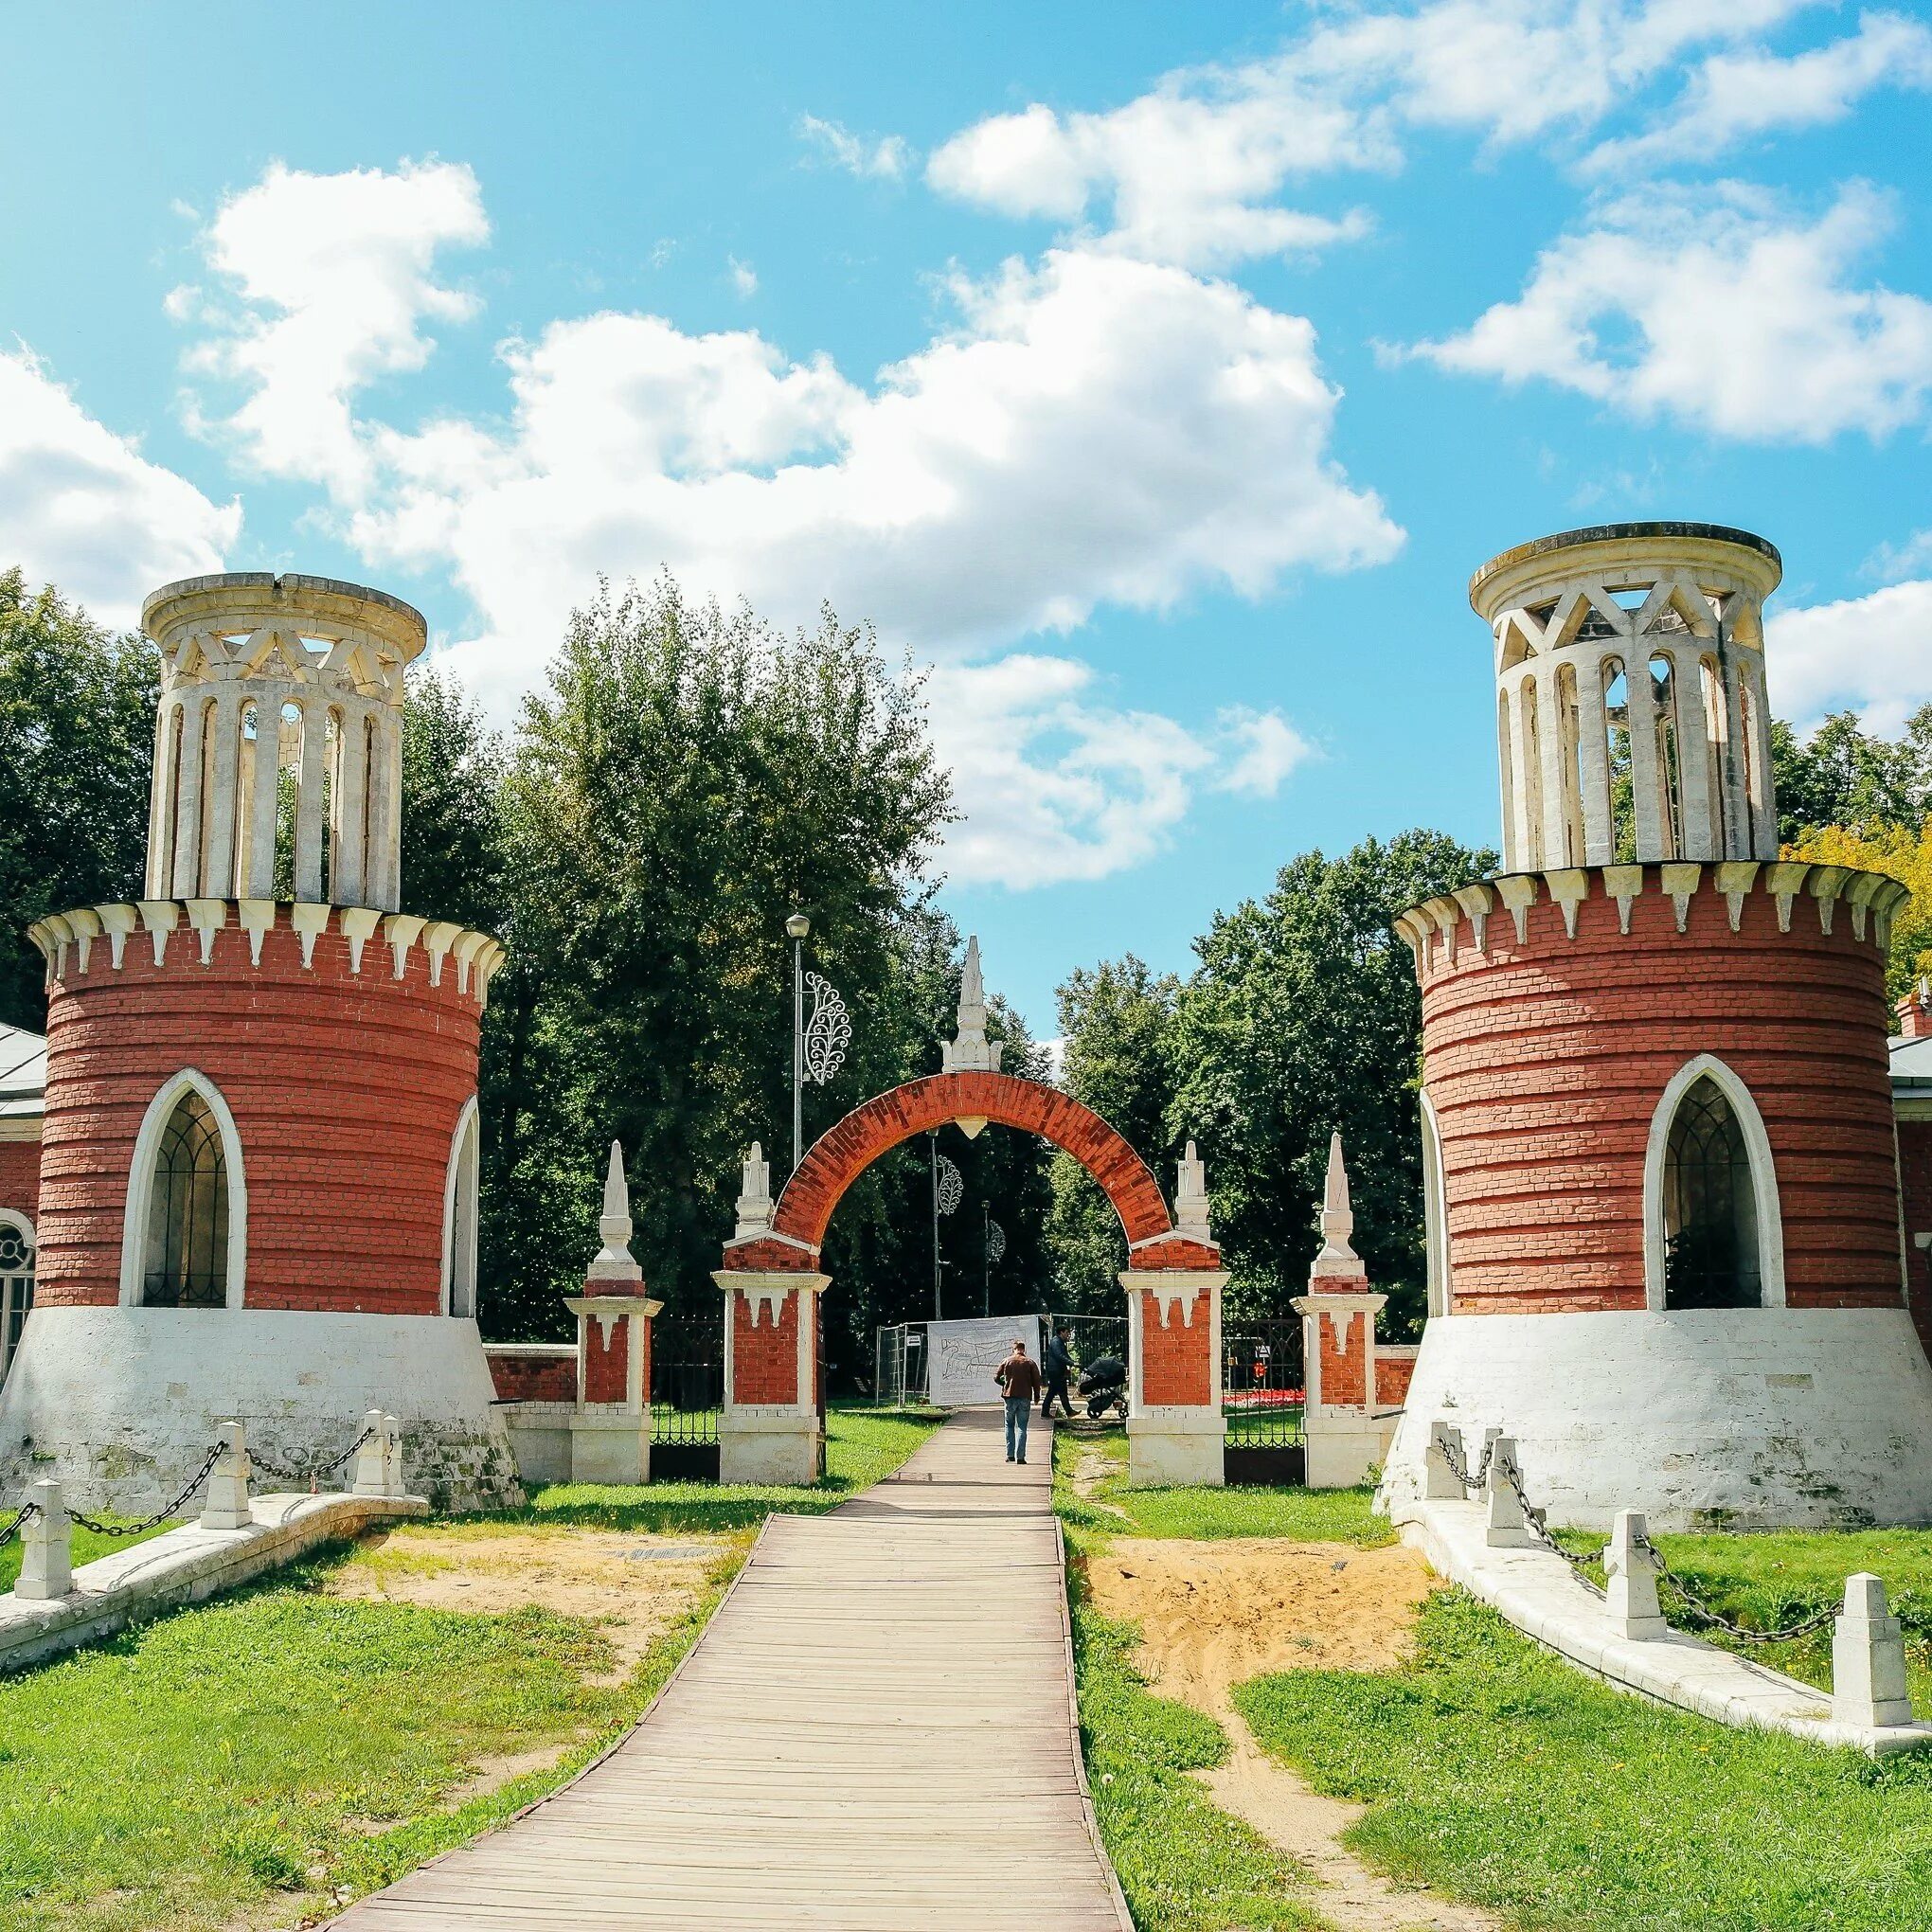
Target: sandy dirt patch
x,y
633,1585
1093,1467
1213,1613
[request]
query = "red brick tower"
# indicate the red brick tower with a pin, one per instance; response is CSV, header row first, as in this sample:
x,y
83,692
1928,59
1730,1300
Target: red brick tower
x,y
1662,1188
258,1164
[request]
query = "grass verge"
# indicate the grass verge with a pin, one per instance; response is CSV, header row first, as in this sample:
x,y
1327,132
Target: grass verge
x,y
1503,1776
1113,1509
1185,1865
262,1759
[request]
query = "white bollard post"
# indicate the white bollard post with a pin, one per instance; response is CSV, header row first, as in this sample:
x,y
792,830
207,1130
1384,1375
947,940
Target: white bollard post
x,y
1632,1577
1440,1482
225,1506
1507,1528
392,1458
370,1477
1869,1659
46,1546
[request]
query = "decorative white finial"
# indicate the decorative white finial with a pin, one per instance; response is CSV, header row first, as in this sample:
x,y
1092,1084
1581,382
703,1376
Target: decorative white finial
x,y
970,1050
1337,1222
614,1260
755,1203
1190,1197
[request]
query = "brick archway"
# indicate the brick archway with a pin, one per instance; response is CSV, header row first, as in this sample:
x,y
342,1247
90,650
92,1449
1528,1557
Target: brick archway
x,y
841,1154
771,1427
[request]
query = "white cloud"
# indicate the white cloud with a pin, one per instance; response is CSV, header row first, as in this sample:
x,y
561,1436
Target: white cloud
x,y
336,274
1052,786
1190,171
1267,748
1731,96
1868,654
81,507
1892,562
886,159
1096,430
1091,429
1723,309
743,276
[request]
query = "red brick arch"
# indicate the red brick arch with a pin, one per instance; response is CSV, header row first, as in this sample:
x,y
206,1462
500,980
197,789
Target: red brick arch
x,y
838,1157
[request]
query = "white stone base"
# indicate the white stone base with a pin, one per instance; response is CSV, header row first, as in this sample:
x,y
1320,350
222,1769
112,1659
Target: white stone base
x,y
768,1446
1747,1417
1166,1447
540,1439
1344,1445
121,1404
610,1445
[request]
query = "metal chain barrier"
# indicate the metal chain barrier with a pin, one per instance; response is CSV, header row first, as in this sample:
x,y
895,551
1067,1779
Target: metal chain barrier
x,y
1533,1519
314,1475
160,1515
1458,1466
21,1517
1704,1613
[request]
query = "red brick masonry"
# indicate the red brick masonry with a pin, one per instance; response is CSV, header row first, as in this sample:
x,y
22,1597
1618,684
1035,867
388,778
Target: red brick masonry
x,y
1546,1059
345,1089
530,1375
20,1177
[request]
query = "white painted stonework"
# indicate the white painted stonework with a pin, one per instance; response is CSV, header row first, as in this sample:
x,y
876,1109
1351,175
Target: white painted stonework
x,y
1539,1593
1172,1444
1759,1418
121,1404
774,1442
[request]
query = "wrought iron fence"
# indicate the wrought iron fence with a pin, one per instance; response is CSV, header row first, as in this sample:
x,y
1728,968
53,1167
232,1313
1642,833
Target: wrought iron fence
x,y
686,1378
1261,1382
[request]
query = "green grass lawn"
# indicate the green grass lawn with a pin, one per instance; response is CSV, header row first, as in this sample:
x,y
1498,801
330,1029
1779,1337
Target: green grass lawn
x,y
1309,1515
1503,1776
1183,1864
263,1755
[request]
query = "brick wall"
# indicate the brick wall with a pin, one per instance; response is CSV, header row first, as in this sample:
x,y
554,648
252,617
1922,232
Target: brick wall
x,y
531,1374
345,1089
764,1360
839,1156
1343,1340
20,1177
1394,1374
1177,1362
606,1361
1546,1059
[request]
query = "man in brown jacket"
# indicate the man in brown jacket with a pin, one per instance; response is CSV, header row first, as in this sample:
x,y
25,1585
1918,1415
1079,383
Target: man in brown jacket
x,y
1019,1379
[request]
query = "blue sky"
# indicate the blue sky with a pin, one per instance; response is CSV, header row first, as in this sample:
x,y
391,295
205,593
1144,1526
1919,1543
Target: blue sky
x,y
1158,375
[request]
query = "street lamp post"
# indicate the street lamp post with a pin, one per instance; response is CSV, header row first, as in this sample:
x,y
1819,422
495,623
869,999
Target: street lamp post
x,y
796,927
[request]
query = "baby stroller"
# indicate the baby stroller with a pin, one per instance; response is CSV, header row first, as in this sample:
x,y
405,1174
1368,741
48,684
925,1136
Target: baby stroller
x,y
1105,1385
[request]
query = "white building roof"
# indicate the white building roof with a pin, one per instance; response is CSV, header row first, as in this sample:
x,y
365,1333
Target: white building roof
x,y
23,1073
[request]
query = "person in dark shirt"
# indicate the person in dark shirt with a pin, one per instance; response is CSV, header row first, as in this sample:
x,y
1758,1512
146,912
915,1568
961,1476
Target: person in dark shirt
x,y
1059,1366
1019,1381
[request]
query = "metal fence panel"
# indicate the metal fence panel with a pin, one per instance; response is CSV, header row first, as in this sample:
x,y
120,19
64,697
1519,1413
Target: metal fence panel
x,y
1261,1388
686,1378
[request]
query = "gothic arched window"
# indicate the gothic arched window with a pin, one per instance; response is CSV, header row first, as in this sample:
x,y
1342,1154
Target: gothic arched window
x,y
184,1263
1710,1206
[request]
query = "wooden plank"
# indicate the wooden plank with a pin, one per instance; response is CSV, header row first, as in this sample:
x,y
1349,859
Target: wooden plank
x,y
876,1730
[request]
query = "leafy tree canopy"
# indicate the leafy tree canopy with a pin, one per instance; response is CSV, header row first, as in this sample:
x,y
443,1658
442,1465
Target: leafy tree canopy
x,y
77,751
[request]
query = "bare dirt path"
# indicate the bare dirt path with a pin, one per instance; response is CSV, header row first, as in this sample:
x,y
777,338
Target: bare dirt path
x,y
1213,1613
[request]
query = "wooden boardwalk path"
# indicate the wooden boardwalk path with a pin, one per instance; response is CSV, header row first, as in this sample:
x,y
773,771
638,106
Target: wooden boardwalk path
x,y
876,1730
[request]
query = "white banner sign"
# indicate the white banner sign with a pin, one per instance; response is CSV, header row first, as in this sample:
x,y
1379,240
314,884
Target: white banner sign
x,y
963,1355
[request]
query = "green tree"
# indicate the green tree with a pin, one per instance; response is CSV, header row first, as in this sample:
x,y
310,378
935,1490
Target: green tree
x,y
688,777
1304,1018
1117,1022
77,749
1845,776
453,858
